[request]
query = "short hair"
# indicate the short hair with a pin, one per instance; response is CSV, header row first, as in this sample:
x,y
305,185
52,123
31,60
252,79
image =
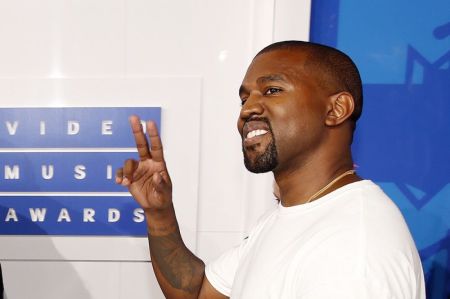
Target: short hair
x,y
336,68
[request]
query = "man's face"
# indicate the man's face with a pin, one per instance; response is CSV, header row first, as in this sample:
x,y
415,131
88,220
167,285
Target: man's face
x,y
282,116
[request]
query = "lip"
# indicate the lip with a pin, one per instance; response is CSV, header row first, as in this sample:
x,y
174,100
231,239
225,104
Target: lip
x,y
251,142
252,125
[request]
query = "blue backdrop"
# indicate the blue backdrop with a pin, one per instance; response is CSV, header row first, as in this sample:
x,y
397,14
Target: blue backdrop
x,y
402,49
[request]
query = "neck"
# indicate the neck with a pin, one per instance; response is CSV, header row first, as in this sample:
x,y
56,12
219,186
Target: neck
x,y
300,183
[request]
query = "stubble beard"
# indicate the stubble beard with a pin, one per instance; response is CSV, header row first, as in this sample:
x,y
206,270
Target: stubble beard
x,y
265,162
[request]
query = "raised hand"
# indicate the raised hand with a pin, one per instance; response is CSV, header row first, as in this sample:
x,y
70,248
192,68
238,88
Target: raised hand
x,y
179,272
147,179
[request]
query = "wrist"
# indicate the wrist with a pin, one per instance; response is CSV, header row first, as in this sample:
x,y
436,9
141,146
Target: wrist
x,y
161,221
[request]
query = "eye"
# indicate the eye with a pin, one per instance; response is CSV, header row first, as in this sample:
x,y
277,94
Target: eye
x,y
272,90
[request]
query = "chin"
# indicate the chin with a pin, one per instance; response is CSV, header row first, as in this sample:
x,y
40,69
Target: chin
x,y
261,163
257,169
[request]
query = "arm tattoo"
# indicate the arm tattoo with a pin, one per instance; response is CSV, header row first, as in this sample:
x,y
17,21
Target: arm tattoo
x,y
179,266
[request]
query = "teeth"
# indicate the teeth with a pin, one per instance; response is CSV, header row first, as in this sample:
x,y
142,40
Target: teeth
x,y
255,133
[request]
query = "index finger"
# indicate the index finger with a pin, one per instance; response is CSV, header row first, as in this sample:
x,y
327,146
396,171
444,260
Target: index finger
x,y
155,142
139,137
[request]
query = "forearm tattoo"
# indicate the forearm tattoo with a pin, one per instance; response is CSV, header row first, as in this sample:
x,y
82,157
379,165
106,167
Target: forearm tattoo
x,y
179,266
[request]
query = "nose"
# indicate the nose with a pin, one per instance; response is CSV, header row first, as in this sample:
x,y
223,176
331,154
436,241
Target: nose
x,y
252,107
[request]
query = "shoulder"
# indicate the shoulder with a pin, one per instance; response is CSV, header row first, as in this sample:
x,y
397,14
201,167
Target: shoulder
x,y
389,253
374,224
381,222
369,211
369,241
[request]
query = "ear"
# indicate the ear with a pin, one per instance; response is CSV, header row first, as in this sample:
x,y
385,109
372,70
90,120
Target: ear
x,y
340,108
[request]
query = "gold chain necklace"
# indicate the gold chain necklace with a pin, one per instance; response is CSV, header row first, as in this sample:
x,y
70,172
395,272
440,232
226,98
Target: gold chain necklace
x,y
348,172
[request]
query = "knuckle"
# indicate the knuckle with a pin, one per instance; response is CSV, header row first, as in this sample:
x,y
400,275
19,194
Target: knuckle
x,y
141,145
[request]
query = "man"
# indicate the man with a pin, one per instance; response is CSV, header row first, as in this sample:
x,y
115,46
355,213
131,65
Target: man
x,y
333,235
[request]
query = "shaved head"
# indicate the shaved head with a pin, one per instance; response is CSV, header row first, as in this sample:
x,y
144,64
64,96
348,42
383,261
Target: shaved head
x,y
334,70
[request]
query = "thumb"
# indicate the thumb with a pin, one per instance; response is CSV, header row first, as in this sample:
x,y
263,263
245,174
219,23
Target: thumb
x,y
160,185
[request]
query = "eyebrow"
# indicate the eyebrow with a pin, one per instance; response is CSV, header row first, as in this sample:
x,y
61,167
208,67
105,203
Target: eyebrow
x,y
270,78
265,79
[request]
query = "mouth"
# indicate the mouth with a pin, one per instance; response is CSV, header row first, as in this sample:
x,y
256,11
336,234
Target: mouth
x,y
258,145
255,131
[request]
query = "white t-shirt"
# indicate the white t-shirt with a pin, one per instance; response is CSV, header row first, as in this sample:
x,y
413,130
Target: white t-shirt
x,y
351,243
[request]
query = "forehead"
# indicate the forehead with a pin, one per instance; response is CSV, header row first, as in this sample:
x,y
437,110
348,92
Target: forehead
x,y
288,63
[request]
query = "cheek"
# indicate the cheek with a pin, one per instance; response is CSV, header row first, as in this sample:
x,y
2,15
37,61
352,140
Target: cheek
x,y
289,119
294,126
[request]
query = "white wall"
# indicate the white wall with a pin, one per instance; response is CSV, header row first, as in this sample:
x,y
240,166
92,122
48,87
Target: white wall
x,y
114,39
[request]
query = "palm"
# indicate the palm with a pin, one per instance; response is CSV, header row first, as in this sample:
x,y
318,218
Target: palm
x,y
147,180
144,189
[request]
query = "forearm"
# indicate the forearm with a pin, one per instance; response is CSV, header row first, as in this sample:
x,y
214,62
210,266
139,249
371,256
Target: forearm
x,y
179,272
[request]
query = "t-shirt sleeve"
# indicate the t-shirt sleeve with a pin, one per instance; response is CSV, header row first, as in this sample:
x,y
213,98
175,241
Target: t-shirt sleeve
x,y
221,272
